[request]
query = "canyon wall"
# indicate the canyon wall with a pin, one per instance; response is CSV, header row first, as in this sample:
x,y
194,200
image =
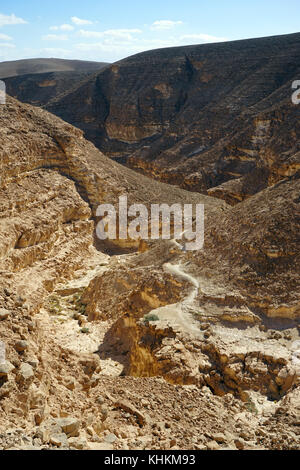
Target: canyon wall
x,y
214,118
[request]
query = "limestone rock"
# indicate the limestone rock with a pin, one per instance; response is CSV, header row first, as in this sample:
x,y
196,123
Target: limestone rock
x,y
213,445
70,426
110,438
70,383
6,368
78,443
26,372
59,440
127,406
21,346
4,314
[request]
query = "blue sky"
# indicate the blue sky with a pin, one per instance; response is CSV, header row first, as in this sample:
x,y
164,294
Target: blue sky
x,y
104,30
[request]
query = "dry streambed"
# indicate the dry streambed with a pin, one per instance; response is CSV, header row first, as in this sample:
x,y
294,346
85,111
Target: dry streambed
x,y
64,317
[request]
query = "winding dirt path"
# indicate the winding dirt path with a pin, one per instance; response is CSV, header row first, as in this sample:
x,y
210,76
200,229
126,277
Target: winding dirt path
x,y
180,313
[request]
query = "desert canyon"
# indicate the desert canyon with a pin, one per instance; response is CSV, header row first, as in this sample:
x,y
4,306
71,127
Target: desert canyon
x,y
135,344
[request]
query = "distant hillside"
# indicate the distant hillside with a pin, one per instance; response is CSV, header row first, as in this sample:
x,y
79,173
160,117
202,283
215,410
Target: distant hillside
x,y
40,88
30,66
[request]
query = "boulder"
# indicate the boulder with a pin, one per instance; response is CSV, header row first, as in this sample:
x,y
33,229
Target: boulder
x,y
78,443
26,372
110,438
21,346
70,383
69,426
5,369
129,408
4,314
59,440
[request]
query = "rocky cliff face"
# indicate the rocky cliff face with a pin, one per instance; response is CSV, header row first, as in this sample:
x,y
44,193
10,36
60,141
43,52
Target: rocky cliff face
x,y
213,118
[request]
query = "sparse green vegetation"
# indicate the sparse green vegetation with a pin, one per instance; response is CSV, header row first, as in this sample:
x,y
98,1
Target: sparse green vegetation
x,y
250,405
150,317
85,331
54,305
80,307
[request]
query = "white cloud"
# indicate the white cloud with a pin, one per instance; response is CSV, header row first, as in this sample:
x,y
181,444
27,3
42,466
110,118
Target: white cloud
x,y
62,27
79,21
55,37
4,37
112,34
7,45
112,51
165,24
10,20
111,47
196,38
